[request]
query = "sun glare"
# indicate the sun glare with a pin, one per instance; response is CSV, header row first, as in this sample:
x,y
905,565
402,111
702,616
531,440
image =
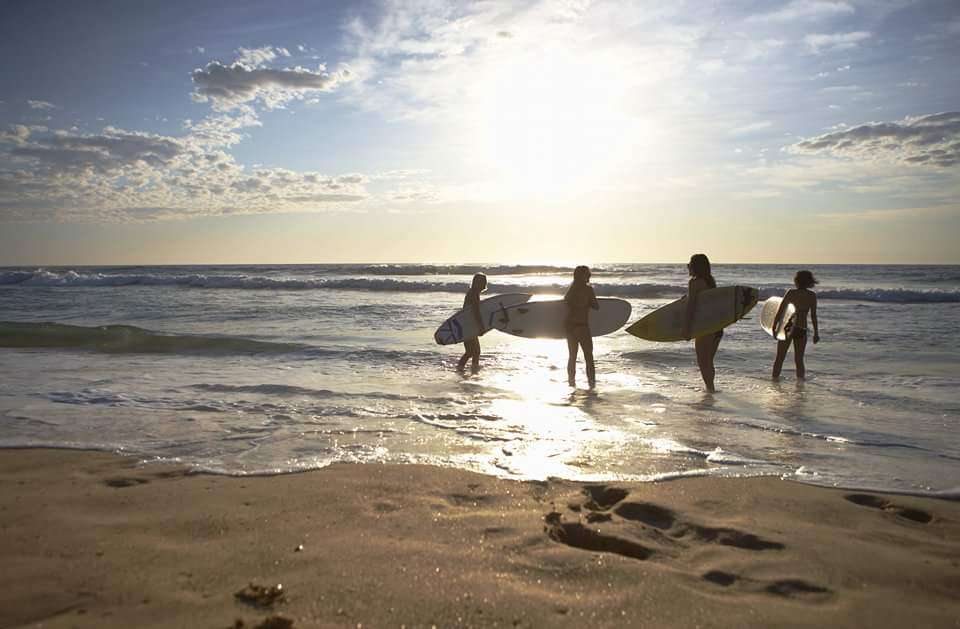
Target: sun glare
x,y
551,124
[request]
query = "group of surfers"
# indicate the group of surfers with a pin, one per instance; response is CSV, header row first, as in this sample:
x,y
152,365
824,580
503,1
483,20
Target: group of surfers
x,y
580,298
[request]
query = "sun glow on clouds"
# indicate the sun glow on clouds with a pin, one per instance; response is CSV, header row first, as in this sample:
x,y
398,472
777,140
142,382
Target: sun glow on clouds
x,y
550,124
544,100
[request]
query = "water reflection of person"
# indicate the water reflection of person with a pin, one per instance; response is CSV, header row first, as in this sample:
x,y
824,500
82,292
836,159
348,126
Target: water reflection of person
x,y
805,301
580,298
471,347
706,346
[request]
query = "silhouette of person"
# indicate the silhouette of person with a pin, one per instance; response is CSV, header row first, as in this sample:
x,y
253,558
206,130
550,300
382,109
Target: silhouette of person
x,y
706,346
580,298
805,301
471,300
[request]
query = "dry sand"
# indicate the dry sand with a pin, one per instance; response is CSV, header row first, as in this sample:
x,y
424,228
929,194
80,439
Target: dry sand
x,y
92,540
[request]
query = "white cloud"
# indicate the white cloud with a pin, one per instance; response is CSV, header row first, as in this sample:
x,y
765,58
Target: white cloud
x,y
759,49
111,151
820,43
119,175
931,140
41,105
229,86
805,10
753,127
257,57
17,134
895,214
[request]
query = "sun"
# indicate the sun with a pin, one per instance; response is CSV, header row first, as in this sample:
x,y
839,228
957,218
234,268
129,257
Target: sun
x,y
551,124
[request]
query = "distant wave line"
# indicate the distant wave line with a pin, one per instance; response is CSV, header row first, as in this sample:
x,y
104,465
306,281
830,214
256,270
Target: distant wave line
x,y
43,278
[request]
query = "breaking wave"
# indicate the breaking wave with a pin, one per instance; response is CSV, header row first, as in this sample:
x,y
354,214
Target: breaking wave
x,y
236,281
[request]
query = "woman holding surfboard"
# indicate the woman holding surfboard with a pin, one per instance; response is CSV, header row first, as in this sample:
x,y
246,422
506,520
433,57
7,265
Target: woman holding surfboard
x,y
804,300
700,280
580,298
471,347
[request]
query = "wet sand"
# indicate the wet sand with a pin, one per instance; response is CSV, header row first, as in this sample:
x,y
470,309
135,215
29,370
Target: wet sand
x,y
93,540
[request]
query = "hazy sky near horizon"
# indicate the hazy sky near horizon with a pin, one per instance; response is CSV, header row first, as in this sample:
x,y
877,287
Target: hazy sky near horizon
x,y
541,131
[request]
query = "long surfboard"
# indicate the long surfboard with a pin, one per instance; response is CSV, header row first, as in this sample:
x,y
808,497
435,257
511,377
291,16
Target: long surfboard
x,y
462,326
769,312
716,308
547,319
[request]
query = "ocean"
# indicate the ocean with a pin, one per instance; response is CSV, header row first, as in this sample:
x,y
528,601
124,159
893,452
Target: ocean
x,y
278,369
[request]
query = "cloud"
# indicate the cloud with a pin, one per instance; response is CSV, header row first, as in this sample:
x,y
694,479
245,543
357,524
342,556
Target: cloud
x,y
819,43
896,214
228,86
17,134
805,10
256,57
931,140
112,150
753,127
119,175
41,105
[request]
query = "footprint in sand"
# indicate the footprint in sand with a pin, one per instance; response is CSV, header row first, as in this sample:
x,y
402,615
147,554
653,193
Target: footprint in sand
x,y
663,532
607,504
876,502
788,588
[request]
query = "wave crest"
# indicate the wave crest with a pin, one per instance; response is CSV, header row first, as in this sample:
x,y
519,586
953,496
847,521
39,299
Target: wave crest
x,y
636,290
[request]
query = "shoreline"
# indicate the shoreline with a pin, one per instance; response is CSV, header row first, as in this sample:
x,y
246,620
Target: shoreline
x,y
92,539
136,459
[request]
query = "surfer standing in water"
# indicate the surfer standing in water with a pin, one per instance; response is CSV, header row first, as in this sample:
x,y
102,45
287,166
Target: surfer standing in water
x,y
700,280
580,297
471,348
805,301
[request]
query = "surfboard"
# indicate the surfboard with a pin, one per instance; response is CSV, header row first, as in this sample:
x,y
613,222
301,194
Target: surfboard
x,y
769,312
547,319
462,326
716,309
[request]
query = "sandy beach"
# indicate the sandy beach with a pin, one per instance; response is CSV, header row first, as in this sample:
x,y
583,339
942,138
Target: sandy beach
x,y
94,540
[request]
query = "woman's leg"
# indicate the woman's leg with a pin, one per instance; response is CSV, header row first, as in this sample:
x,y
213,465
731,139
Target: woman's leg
x,y
799,348
782,347
471,349
572,357
586,342
706,347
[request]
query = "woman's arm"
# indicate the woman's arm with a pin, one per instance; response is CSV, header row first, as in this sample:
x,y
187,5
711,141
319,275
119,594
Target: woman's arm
x,y
787,298
692,290
475,306
813,319
593,300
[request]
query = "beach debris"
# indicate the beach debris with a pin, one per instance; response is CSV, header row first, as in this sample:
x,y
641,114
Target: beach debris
x,y
261,595
298,549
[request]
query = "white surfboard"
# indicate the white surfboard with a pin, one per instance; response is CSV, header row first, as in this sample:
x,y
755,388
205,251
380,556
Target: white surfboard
x,y
547,319
462,326
768,314
716,308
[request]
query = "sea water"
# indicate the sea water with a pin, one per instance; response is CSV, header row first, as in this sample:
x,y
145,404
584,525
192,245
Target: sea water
x,y
277,369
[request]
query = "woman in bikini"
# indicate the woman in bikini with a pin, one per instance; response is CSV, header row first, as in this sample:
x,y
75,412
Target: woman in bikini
x,y
471,348
580,297
805,301
700,280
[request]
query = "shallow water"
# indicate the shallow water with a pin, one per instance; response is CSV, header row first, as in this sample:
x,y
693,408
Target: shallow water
x,y
276,369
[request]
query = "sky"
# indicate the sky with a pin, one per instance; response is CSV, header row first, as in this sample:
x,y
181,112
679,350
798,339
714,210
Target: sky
x,y
295,131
